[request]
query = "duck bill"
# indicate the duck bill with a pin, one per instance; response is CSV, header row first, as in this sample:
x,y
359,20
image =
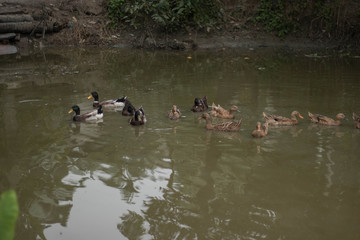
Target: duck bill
x,y
199,118
301,116
90,96
70,111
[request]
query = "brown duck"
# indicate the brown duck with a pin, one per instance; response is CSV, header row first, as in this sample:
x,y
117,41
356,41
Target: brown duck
x,y
128,109
356,120
320,119
282,121
226,126
260,131
218,111
175,113
138,118
200,104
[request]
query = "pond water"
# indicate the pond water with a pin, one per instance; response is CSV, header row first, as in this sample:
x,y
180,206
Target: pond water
x,y
175,179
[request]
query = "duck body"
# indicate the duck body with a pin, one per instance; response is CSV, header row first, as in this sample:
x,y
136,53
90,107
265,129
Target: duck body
x,y
138,118
111,104
282,121
200,104
231,126
356,120
129,109
320,119
175,113
89,116
260,131
218,111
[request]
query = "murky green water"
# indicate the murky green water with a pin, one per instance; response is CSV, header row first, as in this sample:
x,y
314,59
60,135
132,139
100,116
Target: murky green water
x,y
174,179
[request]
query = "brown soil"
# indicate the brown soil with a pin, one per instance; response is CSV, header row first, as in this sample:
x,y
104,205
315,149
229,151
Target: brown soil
x,y
85,23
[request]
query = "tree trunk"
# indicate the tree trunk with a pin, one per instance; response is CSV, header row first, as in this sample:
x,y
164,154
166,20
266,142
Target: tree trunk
x,y
24,27
15,18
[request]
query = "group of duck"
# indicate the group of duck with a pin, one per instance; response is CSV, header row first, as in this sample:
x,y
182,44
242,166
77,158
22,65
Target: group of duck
x,y
127,109
200,105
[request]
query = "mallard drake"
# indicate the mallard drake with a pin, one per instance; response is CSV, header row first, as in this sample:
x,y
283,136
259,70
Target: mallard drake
x,y
89,116
218,111
175,113
200,104
260,131
138,118
226,126
112,103
357,120
128,109
282,121
320,119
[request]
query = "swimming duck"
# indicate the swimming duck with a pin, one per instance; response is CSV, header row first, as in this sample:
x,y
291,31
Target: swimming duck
x,y
113,103
89,116
260,131
175,113
226,126
320,119
357,120
200,104
128,109
282,121
218,111
138,118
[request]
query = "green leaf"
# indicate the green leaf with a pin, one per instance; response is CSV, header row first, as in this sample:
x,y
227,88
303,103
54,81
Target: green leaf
x,y
8,214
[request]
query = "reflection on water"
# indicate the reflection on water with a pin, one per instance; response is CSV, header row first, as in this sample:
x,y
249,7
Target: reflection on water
x,y
174,179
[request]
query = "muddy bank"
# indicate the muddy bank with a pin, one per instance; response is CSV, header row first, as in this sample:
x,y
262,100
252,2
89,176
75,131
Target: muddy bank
x,y
40,23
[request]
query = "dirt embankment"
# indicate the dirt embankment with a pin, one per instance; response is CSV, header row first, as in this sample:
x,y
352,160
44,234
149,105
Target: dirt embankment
x,y
84,22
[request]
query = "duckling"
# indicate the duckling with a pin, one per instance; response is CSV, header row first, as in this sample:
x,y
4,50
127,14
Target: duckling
x,y
89,116
128,109
226,126
260,131
357,120
320,119
138,118
282,121
200,104
218,111
112,103
175,113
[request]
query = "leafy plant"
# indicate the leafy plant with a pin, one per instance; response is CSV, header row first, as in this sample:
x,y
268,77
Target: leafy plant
x,y
167,15
8,214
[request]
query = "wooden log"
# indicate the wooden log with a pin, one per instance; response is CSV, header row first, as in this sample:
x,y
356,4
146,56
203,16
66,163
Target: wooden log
x,y
7,49
16,18
7,36
10,10
24,27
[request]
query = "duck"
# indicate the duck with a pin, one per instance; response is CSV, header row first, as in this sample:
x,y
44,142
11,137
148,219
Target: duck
x,y
175,113
89,116
128,109
282,121
200,104
231,126
260,131
112,103
138,118
218,111
357,120
320,119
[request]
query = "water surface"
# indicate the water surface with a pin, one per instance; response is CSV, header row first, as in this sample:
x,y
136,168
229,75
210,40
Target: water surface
x,y
174,179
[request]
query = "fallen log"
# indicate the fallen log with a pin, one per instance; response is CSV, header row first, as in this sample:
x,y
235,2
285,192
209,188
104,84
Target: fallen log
x,y
24,27
15,18
7,36
10,10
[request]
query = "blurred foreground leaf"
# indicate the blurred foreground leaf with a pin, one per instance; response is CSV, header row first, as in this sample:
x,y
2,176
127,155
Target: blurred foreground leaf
x,y
8,214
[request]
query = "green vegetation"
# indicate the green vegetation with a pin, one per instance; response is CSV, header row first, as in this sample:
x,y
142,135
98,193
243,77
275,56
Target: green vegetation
x,y
170,16
313,18
8,215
